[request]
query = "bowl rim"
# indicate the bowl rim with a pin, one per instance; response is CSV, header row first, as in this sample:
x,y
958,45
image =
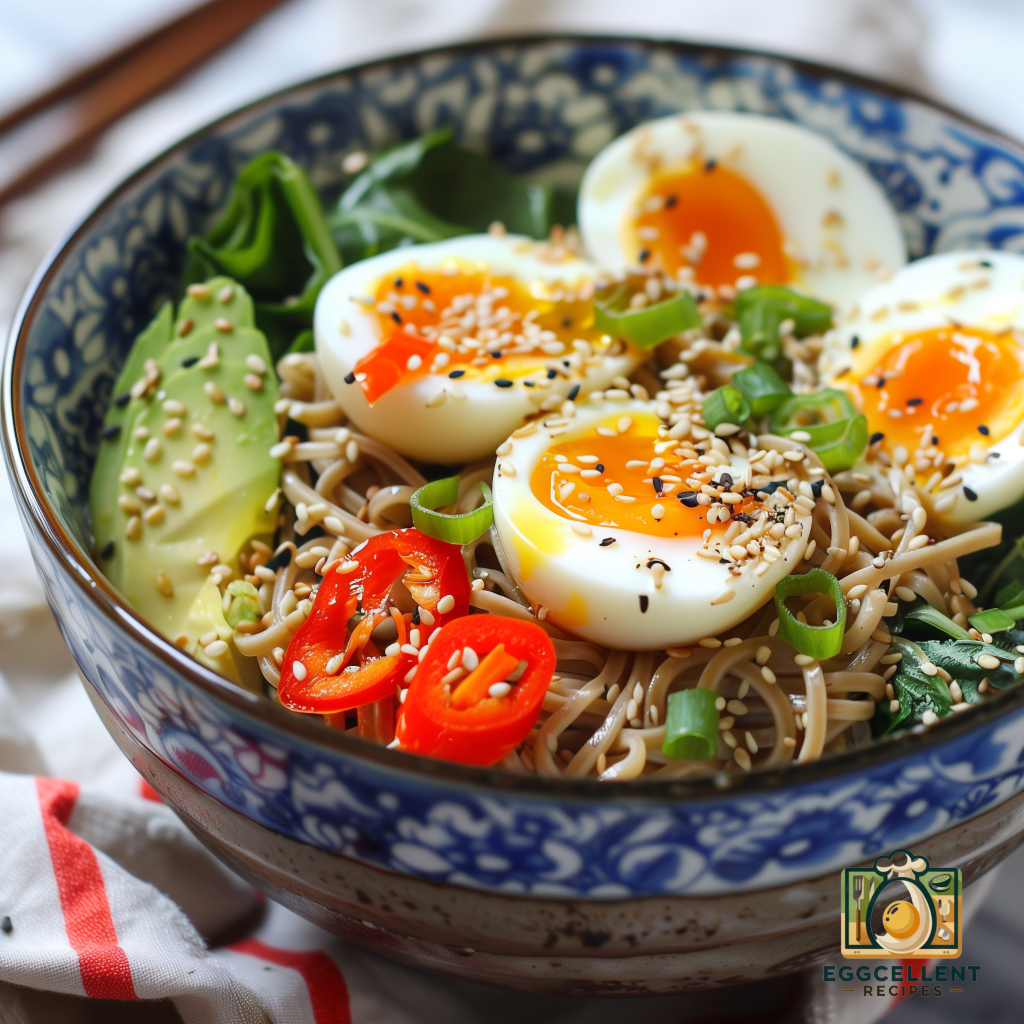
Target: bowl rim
x,y
96,588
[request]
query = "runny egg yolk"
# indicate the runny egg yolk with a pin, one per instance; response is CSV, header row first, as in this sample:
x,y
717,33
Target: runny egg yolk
x,y
610,476
711,219
488,323
947,387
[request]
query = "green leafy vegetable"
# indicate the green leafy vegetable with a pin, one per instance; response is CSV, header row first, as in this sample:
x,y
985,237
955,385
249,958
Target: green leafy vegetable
x,y
1002,565
725,405
691,724
992,620
930,620
272,239
430,189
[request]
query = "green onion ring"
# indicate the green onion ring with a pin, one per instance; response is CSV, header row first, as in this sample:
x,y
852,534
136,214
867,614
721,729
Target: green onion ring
x,y
816,641
455,529
649,325
691,725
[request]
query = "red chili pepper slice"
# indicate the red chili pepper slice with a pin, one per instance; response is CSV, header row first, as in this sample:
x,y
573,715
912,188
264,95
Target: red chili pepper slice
x,y
433,571
380,370
461,721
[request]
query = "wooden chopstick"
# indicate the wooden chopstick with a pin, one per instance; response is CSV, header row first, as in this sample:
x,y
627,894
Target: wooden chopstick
x,y
59,126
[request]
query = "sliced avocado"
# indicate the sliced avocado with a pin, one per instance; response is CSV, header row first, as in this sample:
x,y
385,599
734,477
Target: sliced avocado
x,y
220,298
179,500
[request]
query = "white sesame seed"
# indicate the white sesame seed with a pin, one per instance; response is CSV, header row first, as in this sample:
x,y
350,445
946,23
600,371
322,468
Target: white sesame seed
x,y
216,649
223,325
988,661
172,407
214,393
582,529
506,468
299,670
256,364
199,291
767,674
346,567
130,477
929,718
237,406
253,382
500,690
182,468
446,604
203,432
803,660
155,516
201,454
723,597
658,511
163,584
153,450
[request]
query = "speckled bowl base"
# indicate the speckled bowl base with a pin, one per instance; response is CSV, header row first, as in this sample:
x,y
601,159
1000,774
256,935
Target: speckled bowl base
x,y
646,946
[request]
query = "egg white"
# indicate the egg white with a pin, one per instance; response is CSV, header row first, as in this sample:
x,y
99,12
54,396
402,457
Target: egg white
x,y
595,591
804,178
952,287
476,416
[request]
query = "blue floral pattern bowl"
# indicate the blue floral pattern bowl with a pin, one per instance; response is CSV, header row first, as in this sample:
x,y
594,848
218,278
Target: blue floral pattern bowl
x,y
544,107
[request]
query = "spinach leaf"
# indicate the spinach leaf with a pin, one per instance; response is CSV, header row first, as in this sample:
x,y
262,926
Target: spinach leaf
x,y
916,691
1002,564
923,621
430,189
272,239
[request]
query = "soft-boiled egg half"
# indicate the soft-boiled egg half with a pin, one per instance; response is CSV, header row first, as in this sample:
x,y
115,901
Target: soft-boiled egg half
x,y
729,199
440,351
609,542
935,359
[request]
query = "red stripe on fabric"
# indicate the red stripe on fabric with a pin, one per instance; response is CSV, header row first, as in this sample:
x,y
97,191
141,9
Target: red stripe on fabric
x,y
106,973
328,993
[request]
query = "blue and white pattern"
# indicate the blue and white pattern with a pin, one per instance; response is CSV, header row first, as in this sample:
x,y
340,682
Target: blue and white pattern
x,y
544,109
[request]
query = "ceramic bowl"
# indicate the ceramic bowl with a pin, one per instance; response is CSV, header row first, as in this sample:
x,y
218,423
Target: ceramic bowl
x,y
544,107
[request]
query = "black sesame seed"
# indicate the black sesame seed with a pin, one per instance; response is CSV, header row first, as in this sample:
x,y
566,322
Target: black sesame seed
x,y
854,341
981,430
567,321
109,433
456,373
425,288
689,499
123,400
350,378
396,318
643,603
880,384
915,401
599,468
502,383
671,201
726,480
935,439
552,374
565,362
658,561
970,495
107,551
645,255
985,263
281,560
711,164
399,282
573,392
190,361
529,384
416,616
494,355
876,437
5,925
816,487
657,483
606,542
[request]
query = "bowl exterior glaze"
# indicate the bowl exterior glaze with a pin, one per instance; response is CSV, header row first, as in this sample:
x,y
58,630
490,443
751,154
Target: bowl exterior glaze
x,y
544,107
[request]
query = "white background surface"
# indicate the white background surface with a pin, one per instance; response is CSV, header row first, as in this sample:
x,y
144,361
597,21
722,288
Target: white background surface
x,y
964,52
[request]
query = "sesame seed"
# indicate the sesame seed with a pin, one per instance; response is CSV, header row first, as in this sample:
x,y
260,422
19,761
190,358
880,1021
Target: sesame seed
x,y
130,477
658,511
501,382
129,505
203,432
170,494
182,468
185,327
199,291
988,661
446,604
253,382
214,393
201,454
223,326
163,583
171,426
236,406
506,468
153,450
155,516
644,602
298,670
216,649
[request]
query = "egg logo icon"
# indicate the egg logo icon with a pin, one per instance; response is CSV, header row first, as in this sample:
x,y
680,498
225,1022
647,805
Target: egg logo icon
x,y
901,907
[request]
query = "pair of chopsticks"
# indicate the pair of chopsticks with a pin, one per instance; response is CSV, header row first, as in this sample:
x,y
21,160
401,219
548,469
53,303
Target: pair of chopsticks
x,y
58,127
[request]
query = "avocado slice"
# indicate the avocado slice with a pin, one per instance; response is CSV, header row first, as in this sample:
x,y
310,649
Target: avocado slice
x,y
189,472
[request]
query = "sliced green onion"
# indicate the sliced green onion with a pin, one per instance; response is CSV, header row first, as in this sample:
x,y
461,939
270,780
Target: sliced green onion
x,y
725,405
762,387
455,529
992,620
809,316
759,329
838,433
931,616
816,641
645,326
691,725
244,603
